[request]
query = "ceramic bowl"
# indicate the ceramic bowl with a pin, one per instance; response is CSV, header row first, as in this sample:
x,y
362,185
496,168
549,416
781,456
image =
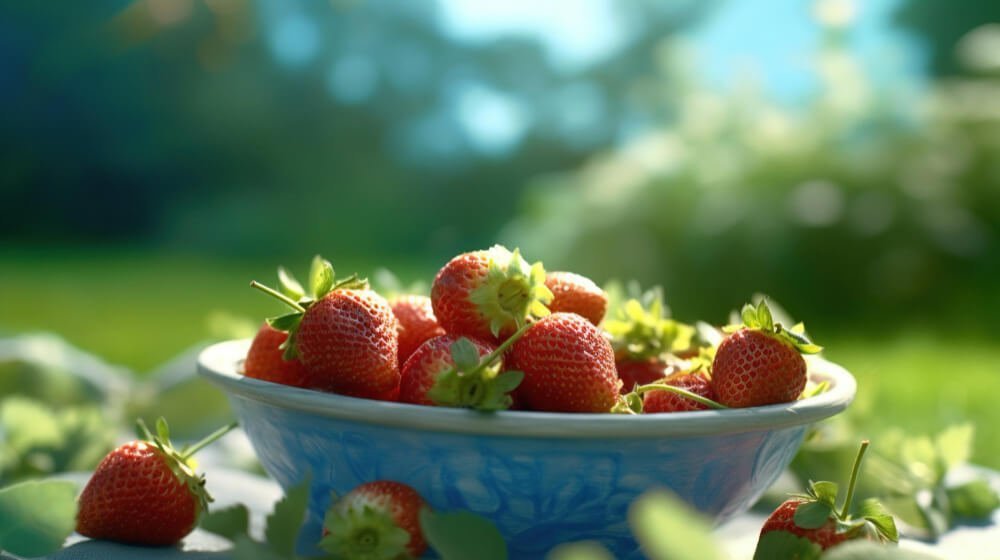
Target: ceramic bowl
x,y
543,478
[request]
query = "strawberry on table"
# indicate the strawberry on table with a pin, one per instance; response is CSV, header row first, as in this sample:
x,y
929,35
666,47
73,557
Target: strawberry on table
x,y
417,323
458,372
345,334
761,362
807,524
573,293
646,340
488,295
145,492
377,520
568,366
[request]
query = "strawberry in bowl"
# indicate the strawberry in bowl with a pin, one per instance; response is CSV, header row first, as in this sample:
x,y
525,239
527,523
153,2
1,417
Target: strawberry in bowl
x,y
509,415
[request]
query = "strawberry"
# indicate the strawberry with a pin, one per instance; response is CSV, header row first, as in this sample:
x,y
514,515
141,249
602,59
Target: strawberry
x,y
456,371
345,335
376,520
487,295
641,372
572,293
807,524
666,401
646,340
568,366
416,323
145,492
264,360
761,362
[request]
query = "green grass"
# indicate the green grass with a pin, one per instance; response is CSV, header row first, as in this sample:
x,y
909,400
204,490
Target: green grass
x,y
139,310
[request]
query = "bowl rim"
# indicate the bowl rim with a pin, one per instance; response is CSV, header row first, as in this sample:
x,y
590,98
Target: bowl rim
x,y
218,364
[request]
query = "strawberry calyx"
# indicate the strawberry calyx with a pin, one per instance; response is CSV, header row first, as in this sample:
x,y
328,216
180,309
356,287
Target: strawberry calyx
x,y
322,281
513,293
642,329
819,506
181,462
363,532
475,382
758,317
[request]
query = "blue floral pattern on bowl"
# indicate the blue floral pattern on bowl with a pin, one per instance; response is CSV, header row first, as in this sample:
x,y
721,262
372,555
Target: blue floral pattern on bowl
x,y
544,479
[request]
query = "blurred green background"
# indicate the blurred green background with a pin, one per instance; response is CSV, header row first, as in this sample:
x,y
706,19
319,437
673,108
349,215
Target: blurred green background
x,y
842,157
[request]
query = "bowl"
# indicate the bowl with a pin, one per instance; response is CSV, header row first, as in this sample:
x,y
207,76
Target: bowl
x,y
543,478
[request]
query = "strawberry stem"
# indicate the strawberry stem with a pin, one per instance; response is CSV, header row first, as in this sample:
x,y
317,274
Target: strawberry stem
x,y
682,392
278,295
189,451
845,510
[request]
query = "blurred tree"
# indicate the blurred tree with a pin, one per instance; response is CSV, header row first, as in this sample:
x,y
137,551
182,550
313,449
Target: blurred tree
x,y
942,25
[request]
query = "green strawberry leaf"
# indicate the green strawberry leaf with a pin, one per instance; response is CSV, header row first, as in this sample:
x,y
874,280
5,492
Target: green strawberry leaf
x,y
287,322
320,277
36,516
509,380
825,491
812,515
285,522
585,550
973,500
465,354
658,517
289,285
954,445
231,522
764,317
868,550
461,535
749,316
874,512
782,544
245,548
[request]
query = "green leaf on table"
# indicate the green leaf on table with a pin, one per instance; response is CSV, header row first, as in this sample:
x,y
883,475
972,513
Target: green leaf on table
x,y
36,516
231,522
782,544
285,522
461,535
812,515
585,550
954,445
245,548
658,517
973,500
868,550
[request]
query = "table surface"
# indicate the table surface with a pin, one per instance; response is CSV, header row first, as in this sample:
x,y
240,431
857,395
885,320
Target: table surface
x,y
230,486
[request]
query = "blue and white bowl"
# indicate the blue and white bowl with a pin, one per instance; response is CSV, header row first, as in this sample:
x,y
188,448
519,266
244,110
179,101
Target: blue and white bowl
x,y
543,478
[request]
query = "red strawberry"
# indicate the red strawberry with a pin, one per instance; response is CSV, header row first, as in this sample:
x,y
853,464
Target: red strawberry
x,y
264,360
568,366
376,520
416,323
761,363
815,518
345,334
666,401
572,293
144,492
487,295
459,372
348,342
641,372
